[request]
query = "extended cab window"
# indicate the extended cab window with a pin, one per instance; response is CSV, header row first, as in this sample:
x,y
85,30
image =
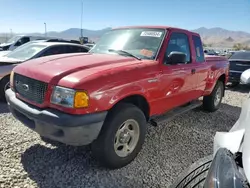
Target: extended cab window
x,y
179,43
198,49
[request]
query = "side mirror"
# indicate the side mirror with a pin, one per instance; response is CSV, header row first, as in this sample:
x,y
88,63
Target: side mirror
x,y
176,58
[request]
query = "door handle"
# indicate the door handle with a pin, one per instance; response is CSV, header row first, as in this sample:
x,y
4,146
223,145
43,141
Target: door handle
x,y
193,71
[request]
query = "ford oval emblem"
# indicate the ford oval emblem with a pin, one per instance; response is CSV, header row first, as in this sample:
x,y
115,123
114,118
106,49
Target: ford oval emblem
x,y
25,87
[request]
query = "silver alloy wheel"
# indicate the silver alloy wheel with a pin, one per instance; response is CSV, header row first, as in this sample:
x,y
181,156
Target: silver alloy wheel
x,y
126,138
7,86
218,96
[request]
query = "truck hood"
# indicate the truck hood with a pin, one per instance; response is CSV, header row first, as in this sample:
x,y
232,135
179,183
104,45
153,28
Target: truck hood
x,y
52,69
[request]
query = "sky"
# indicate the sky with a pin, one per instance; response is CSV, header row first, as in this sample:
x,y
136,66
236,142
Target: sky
x,y
23,16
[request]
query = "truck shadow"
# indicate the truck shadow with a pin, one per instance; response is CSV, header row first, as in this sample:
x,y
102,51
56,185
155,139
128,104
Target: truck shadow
x,y
164,155
239,88
4,108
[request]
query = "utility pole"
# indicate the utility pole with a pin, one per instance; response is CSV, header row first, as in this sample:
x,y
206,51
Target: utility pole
x,y
45,29
81,18
10,33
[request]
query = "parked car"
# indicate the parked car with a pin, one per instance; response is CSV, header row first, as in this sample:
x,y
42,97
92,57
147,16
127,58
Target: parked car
x,y
105,98
245,77
29,51
3,53
90,45
210,52
19,40
229,166
239,62
63,40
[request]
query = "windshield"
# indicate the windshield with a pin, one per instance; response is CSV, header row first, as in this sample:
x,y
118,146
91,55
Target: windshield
x,y
13,39
26,52
241,55
142,43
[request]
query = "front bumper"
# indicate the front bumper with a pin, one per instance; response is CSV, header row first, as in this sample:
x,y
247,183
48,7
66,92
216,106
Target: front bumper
x,y
66,128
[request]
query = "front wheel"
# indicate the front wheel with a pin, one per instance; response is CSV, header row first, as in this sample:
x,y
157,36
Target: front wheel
x,y
195,175
121,137
212,102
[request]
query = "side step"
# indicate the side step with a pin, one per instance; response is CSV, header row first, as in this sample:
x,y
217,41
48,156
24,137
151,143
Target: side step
x,y
168,116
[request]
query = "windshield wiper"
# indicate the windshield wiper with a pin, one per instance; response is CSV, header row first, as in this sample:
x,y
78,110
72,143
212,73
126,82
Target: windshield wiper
x,y
124,52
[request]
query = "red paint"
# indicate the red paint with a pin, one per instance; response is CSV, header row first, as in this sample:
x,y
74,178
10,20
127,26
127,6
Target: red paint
x,y
111,78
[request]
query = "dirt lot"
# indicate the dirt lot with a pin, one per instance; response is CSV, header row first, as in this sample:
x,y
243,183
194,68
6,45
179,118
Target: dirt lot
x,y
26,161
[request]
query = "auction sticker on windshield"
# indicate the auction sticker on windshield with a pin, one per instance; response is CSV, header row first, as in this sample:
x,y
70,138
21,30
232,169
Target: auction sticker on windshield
x,y
151,34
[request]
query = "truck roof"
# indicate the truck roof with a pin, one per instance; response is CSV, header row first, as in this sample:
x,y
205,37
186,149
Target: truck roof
x,y
155,27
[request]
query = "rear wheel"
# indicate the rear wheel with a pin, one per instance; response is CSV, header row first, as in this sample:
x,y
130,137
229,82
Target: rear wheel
x,y
195,175
212,102
121,137
4,85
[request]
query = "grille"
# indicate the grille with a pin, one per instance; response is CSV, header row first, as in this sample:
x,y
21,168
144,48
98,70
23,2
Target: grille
x,y
30,89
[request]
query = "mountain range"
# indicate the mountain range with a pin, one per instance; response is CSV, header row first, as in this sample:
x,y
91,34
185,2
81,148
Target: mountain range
x,y
217,37
220,37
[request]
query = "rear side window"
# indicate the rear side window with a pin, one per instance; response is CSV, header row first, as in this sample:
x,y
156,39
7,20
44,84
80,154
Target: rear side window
x,y
198,49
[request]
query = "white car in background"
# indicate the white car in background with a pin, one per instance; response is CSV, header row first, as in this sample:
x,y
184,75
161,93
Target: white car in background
x,y
19,40
3,53
29,51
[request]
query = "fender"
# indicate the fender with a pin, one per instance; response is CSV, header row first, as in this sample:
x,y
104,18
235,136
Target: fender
x,y
104,100
214,74
127,92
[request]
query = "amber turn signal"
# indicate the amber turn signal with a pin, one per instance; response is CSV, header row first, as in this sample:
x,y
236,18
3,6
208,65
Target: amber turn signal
x,y
81,99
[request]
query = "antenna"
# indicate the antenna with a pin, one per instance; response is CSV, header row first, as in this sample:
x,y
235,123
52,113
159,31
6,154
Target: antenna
x,y
81,17
45,29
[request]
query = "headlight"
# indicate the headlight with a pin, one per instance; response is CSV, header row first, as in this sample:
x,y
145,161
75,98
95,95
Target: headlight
x,y
69,97
224,172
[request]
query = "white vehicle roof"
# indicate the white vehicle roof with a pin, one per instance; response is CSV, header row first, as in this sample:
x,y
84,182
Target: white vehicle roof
x,y
58,43
43,42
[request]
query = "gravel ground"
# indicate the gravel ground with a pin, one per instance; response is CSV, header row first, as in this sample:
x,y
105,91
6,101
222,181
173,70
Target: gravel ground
x,y
27,161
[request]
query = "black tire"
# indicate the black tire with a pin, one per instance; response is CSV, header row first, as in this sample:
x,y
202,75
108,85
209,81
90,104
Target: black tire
x,y
195,175
103,147
3,83
209,101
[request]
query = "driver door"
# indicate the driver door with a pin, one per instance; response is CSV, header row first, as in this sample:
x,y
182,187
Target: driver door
x,y
178,81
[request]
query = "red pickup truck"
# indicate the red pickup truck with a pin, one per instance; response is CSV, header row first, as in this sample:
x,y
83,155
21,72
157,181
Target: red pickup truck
x,y
133,75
